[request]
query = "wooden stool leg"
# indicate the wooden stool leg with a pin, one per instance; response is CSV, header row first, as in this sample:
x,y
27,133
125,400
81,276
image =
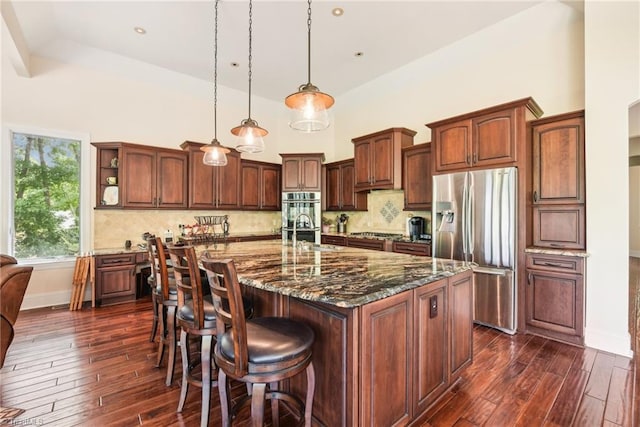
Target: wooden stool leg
x,y
205,362
171,338
224,399
311,386
154,325
275,414
257,404
185,369
161,340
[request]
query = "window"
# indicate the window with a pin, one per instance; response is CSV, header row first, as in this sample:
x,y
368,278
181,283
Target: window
x,y
46,193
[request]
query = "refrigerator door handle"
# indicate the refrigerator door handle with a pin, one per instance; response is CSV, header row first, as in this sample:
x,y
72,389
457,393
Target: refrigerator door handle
x,y
490,270
465,225
470,218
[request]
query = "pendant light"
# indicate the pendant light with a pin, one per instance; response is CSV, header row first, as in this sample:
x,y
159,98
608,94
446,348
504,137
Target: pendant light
x,y
215,154
249,133
309,105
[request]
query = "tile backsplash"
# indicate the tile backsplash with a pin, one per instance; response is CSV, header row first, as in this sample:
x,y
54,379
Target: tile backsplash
x,y
113,227
385,214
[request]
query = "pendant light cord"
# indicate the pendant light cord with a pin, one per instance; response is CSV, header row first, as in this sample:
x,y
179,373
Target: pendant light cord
x,y
215,76
250,38
309,42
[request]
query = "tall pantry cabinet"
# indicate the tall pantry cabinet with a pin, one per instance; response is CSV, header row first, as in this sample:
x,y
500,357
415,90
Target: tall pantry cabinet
x,y
555,261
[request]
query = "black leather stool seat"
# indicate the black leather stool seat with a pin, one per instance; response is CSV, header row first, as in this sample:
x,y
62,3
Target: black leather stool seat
x,y
271,340
186,312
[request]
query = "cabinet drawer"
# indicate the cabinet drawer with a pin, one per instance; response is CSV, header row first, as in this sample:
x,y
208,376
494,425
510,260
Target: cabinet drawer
x,y
412,248
333,240
559,263
111,260
378,245
559,226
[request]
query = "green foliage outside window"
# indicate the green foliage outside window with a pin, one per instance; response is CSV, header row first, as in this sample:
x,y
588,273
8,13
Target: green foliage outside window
x,y
46,196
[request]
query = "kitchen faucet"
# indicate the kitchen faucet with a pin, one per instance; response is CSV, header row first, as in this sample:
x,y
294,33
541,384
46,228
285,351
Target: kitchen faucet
x,y
295,226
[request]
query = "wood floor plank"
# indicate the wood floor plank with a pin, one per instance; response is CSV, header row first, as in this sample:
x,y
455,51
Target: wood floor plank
x,y
620,396
600,378
590,412
535,413
566,404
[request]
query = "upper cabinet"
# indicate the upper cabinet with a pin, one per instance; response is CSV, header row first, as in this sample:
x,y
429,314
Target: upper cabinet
x,y
260,186
416,177
302,172
145,177
481,139
212,187
340,191
378,159
558,181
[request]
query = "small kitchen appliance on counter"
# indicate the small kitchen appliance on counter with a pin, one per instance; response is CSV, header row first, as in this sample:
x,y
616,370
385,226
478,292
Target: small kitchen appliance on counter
x,y
416,226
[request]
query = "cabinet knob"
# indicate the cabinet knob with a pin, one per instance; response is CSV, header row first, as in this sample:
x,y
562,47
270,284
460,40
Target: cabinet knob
x,y
535,197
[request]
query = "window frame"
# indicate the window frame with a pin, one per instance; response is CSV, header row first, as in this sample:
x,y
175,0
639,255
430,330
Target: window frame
x,y
7,188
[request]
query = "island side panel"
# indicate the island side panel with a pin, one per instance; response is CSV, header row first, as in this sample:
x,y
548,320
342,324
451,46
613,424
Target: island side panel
x,y
386,338
334,357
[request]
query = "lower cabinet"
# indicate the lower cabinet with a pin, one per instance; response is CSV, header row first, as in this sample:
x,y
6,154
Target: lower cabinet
x,y
412,248
383,363
328,239
115,279
555,297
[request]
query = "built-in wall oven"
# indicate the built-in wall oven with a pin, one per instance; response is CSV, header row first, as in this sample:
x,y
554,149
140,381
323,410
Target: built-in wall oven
x,y
301,212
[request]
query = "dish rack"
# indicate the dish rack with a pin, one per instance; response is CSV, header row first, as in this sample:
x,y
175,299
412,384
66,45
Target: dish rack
x,y
207,229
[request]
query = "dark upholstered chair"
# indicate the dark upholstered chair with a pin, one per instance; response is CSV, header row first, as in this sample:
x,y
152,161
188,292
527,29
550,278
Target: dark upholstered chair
x,y
196,318
261,351
14,279
165,296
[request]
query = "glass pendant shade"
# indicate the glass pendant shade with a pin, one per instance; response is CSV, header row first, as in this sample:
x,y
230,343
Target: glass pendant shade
x,y
249,136
215,154
309,109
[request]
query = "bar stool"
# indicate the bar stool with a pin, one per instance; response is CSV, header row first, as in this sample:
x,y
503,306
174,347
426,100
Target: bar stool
x,y
257,351
165,296
195,316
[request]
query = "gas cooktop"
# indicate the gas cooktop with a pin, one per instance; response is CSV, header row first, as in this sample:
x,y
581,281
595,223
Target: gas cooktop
x,y
391,236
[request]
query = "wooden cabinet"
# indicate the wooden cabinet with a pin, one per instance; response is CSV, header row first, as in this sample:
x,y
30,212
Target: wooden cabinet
x,y
378,159
412,248
431,377
555,297
115,279
302,172
340,192
212,187
481,139
461,328
148,177
416,177
108,176
386,342
260,186
375,244
328,239
558,181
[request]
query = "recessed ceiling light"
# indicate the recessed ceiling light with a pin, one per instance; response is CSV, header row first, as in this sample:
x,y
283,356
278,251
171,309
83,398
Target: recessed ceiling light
x,y
337,11
235,64
358,54
139,30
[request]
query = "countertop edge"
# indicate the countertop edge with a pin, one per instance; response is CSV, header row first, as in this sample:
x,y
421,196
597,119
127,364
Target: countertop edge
x,y
565,252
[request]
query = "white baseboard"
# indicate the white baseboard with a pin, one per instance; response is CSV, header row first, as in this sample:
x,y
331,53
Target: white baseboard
x,y
50,299
635,254
603,340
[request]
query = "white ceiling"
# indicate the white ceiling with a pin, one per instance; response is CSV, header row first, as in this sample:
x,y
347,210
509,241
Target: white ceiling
x,y
180,36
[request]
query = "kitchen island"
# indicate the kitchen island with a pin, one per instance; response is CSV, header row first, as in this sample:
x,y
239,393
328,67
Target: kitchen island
x,y
392,330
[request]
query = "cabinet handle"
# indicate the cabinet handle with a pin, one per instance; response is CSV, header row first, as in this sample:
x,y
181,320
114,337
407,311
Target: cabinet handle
x,y
529,278
535,196
468,159
475,157
553,264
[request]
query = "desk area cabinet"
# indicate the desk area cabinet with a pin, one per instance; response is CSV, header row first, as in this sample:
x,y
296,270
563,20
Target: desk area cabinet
x,y
115,278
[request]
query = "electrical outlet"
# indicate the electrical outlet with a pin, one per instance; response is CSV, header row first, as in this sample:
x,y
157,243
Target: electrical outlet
x,y
433,306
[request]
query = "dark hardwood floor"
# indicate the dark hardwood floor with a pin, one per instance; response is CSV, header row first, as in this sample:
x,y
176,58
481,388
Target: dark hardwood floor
x,y
96,367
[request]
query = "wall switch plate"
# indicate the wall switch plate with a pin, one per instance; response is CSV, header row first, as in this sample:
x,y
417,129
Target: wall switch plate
x,y
433,306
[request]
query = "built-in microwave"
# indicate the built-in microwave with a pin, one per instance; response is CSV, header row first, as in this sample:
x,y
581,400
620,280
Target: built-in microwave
x,y
302,212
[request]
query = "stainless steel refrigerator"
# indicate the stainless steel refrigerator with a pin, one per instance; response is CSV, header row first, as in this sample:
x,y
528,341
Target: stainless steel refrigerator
x,y
474,215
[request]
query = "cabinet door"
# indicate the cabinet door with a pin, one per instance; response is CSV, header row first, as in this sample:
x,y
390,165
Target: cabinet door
x,y
270,183
558,162
311,174
494,139
556,226
171,186
362,153
382,161
351,201
228,183
416,177
291,174
115,284
452,146
386,354
461,333
430,353
139,177
555,302
201,192
250,182
334,187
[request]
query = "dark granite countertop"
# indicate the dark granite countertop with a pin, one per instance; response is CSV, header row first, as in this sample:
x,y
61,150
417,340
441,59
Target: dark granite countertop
x,y
550,251
336,275
395,239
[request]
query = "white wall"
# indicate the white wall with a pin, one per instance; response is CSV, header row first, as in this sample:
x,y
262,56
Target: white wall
x,y
612,74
